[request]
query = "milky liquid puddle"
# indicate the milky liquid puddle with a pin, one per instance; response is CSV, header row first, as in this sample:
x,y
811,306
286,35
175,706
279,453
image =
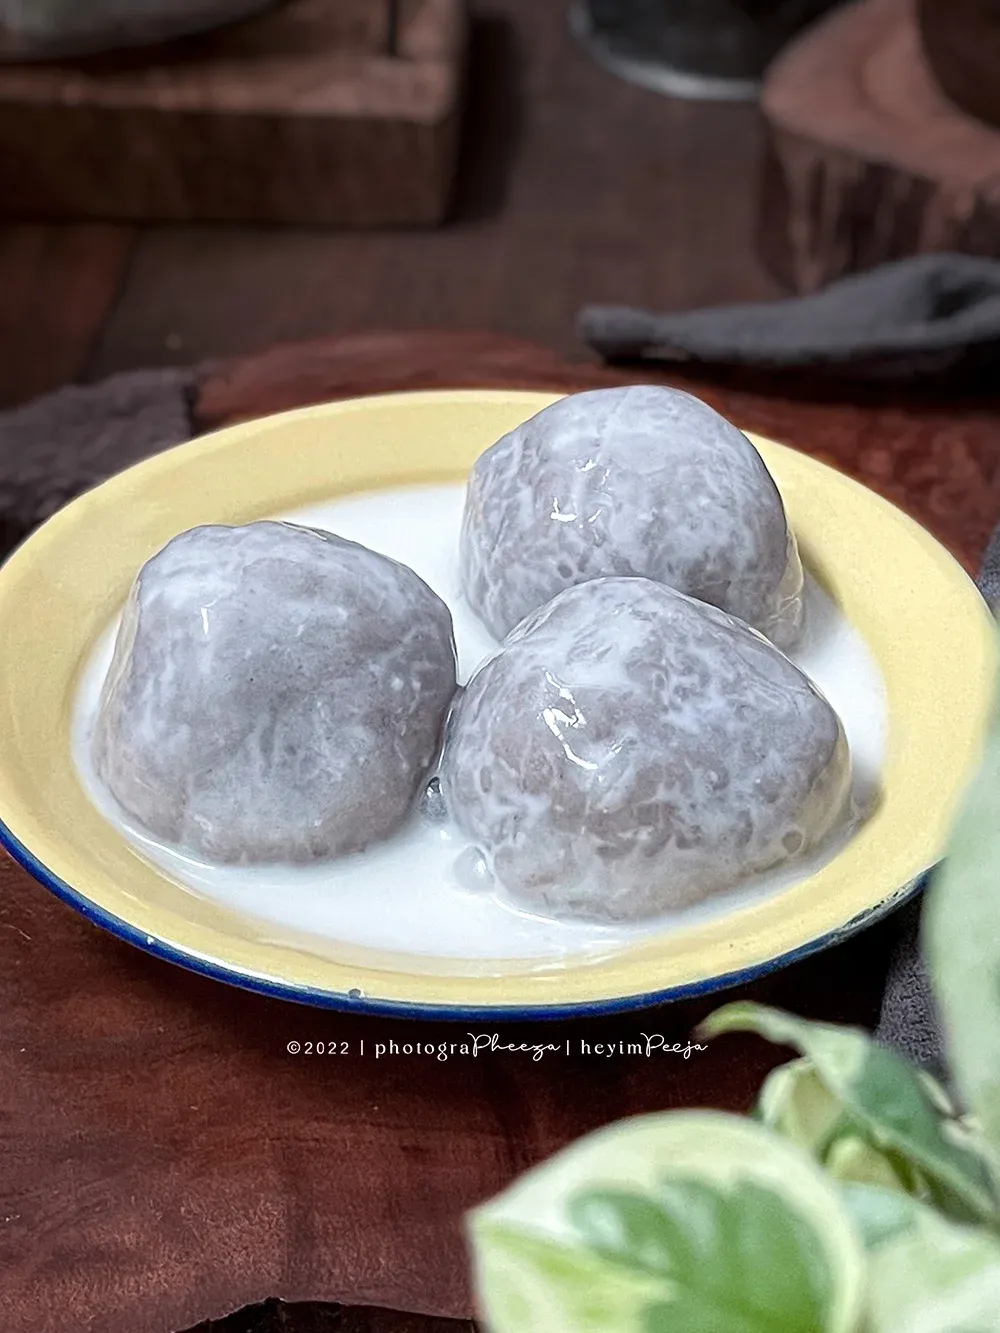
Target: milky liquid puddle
x,y
403,895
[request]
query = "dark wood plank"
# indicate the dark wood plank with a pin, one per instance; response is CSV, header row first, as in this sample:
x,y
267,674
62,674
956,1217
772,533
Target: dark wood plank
x,y
867,161
298,115
58,285
573,187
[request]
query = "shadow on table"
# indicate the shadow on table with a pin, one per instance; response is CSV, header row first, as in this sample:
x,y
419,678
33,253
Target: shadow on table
x,y
276,1317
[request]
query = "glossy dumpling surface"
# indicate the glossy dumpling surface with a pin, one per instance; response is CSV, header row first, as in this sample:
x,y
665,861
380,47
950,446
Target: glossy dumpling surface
x,y
276,694
645,481
631,750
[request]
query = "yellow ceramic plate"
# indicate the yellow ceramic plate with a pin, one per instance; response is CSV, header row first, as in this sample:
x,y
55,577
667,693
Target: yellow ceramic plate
x,y
921,616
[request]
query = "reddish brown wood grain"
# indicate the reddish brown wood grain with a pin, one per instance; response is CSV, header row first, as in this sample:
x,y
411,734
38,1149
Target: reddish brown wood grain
x,y
165,1160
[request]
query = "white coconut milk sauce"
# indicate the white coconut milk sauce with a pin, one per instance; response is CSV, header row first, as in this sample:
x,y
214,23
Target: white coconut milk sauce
x,y
404,895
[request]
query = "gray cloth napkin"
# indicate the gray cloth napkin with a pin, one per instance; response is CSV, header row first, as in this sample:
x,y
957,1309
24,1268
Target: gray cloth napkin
x,y
933,315
54,448
909,1020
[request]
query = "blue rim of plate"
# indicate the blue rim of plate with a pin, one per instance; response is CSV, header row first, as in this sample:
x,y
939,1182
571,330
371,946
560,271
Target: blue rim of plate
x,y
345,1003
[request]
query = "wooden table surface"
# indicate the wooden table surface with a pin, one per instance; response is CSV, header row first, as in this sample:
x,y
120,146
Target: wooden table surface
x,y
164,1160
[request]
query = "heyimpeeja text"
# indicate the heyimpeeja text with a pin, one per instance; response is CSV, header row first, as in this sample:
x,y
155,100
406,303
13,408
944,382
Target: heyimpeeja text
x,y
472,1045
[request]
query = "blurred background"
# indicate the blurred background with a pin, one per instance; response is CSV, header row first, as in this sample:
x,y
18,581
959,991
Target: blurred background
x,y
330,166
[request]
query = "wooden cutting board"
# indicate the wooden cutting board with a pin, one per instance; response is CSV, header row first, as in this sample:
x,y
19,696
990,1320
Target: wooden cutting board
x,y
319,111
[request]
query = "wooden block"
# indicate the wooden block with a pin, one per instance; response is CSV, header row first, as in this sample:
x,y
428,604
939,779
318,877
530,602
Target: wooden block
x,y
866,160
317,112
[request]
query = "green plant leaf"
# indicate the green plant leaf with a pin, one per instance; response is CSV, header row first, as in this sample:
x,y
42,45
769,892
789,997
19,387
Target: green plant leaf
x,y
700,1221
734,1258
926,1274
530,1283
886,1098
638,1232
853,1159
796,1102
879,1214
939,1095
962,939
968,1305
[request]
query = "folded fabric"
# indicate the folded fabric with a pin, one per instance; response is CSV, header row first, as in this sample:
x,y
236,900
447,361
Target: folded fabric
x,y
57,446
934,314
909,1020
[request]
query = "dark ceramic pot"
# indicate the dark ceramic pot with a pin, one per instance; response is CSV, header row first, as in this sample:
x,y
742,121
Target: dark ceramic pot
x,y
46,29
695,48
